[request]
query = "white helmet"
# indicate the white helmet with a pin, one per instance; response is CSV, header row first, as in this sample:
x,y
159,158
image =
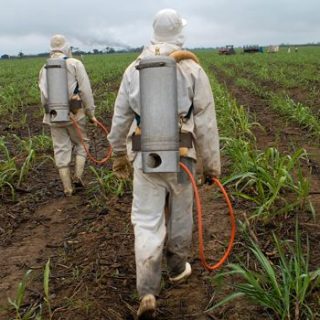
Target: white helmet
x,y
167,27
58,42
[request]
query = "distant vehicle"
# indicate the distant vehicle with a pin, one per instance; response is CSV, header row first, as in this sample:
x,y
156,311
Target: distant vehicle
x,y
252,49
227,50
273,49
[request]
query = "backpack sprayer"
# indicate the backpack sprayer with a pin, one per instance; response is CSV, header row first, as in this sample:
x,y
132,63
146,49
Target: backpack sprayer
x,y
60,108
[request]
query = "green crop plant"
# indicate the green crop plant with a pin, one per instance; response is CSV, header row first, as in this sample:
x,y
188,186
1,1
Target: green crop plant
x,y
22,312
12,174
282,287
28,162
265,178
107,183
8,169
297,112
41,143
233,120
10,100
46,279
26,166
32,311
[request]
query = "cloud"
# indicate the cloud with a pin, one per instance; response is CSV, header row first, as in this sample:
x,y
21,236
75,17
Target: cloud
x,y
28,26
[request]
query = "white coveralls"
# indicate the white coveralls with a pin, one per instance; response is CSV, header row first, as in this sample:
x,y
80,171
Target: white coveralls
x,y
64,135
150,190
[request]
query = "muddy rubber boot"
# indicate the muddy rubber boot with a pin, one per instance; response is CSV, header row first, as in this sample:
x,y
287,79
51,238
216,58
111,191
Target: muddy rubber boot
x,y
66,181
78,171
183,276
147,307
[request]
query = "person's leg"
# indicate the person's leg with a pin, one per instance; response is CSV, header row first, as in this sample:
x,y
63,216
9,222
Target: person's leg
x,y
179,228
62,148
80,151
149,228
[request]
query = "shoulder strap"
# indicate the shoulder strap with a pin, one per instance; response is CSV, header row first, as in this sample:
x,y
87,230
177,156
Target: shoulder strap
x,y
76,89
188,115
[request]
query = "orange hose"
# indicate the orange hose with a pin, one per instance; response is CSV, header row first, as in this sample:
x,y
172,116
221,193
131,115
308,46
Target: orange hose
x,y
91,157
200,226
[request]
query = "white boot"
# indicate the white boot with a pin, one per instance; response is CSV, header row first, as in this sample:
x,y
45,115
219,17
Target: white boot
x,y
147,307
183,275
78,171
66,181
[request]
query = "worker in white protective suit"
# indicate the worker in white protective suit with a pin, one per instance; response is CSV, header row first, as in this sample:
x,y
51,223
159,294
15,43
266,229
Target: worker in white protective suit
x,y
153,191
64,135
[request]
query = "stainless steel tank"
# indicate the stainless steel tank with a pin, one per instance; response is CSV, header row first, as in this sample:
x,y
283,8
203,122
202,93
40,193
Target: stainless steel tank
x,y
159,114
57,84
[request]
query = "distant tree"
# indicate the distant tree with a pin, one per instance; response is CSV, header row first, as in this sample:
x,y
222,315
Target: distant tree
x,y
5,56
43,54
74,49
21,54
110,50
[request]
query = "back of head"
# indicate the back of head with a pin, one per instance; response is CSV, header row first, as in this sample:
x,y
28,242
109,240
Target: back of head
x,y
59,43
168,26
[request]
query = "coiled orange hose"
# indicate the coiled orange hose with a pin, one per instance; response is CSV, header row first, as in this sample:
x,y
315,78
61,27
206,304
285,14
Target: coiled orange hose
x,y
200,226
91,157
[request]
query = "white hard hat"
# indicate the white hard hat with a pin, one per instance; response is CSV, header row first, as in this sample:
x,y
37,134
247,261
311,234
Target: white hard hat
x,y
58,42
167,25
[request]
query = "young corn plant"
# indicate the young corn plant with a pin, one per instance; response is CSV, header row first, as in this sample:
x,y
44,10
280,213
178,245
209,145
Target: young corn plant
x,y
28,162
41,143
46,278
32,311
23,312
14,170
284,289
8,169
297,112
10,100
107,183
18,301
266,178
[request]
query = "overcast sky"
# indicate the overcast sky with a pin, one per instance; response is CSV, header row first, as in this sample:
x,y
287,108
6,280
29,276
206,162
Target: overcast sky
x,y
28,25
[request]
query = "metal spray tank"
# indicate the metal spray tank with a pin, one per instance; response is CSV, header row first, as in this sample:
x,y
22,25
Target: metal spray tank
x,y
159,114
58,96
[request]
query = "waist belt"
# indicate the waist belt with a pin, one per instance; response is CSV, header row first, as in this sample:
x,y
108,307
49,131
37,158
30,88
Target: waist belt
x,y
185,141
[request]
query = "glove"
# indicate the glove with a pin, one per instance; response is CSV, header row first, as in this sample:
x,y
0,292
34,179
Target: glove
x,y
205,176
209,175
121,167
93,120
90,114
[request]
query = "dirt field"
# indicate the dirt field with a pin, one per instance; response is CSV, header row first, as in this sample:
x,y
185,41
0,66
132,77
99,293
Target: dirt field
x,y
91,250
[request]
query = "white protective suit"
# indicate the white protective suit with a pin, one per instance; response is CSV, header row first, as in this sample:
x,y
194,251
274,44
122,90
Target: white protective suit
x,y
64,135
150,191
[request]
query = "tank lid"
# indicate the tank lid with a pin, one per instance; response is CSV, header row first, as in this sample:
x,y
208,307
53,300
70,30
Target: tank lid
x,y
156,62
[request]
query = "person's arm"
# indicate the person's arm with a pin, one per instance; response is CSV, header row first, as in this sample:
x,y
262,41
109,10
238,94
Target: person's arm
x,y
206,131
85,91
122,119
43,86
